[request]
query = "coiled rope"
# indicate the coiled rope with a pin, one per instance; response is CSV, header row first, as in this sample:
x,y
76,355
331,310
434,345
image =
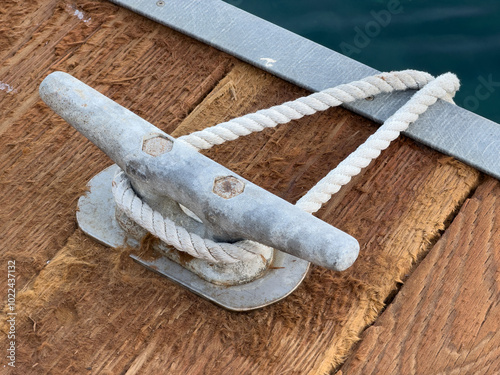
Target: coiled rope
x,y
430,89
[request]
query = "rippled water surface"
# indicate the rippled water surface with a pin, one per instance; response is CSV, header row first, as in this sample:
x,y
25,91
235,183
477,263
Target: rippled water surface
x,y
461,36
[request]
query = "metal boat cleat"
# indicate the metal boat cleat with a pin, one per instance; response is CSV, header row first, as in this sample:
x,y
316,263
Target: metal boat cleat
x,y
198,194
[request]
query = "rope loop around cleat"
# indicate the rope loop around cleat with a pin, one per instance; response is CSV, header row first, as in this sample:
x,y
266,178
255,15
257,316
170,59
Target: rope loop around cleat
x,y
430,89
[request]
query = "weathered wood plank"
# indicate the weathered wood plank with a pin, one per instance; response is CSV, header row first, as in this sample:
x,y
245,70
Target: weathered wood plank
x,y
95,308
44,164
59,33
20,22
446,318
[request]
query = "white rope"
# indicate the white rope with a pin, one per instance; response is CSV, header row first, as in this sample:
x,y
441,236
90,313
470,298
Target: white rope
x,y
430,90
166,230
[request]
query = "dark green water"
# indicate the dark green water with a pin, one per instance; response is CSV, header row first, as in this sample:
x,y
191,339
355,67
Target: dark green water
x,y
460,36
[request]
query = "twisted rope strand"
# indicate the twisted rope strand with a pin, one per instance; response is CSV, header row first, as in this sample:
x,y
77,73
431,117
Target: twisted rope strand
x,y
430,90
166,230
308,105
442,87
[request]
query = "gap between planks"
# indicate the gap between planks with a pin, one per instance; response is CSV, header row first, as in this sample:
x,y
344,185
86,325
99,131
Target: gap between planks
x,y
445,320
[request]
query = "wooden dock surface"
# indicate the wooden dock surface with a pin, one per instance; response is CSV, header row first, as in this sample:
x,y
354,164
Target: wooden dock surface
x,y
422,297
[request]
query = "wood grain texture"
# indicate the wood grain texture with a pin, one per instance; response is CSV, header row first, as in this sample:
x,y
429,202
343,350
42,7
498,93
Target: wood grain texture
x,y
95,309
446,318
44,163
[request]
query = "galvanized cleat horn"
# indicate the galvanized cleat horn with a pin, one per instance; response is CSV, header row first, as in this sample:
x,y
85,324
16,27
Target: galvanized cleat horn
x,y
249,247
